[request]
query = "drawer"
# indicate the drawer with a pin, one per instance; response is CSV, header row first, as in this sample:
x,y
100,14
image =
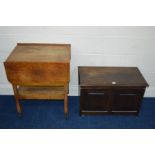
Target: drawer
x,y
37,73
94,99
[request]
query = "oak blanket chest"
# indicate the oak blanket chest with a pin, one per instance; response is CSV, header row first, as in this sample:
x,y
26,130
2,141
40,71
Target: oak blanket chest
x,y
110,90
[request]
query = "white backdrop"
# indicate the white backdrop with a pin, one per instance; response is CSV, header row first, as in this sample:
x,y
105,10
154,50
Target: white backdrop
x,y
98,46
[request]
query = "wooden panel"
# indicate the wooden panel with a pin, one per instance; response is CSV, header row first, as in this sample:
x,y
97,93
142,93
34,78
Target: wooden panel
x,y
41,92
110,101
94,100
37,73
127,99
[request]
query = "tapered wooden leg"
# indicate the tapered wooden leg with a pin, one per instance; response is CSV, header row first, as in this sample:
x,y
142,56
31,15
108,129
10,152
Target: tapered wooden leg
x,y
18,105
66,101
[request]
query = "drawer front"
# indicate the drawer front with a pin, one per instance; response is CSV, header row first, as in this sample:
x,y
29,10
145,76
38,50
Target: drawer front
x,y
37,73
127,100
94,100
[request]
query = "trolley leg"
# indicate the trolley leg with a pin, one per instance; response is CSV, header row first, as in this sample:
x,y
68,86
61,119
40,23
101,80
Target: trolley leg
x,y
18,105
66,101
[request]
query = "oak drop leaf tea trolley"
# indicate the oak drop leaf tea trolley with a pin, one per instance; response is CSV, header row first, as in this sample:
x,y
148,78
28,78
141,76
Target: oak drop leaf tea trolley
x,y
39,71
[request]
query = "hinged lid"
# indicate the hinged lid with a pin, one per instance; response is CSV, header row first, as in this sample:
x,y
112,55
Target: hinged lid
x,y
111,76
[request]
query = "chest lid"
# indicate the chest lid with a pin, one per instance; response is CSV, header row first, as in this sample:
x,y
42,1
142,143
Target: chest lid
x,y
111,76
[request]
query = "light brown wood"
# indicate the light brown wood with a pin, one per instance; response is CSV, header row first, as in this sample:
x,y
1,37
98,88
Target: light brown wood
x,y
29,92
40,53
37,69
66,100
35,73
18,105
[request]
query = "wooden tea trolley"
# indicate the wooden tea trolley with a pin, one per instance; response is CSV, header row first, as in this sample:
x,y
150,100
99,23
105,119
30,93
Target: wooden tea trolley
x,y
39,71
111,90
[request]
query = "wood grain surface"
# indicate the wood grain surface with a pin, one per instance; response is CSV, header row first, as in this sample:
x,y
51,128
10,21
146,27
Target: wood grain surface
x,y
40,53
111,76
39,71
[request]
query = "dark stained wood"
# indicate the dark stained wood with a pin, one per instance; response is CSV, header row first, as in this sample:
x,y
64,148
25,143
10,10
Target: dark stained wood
x,y
111,76
99,94
39,71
